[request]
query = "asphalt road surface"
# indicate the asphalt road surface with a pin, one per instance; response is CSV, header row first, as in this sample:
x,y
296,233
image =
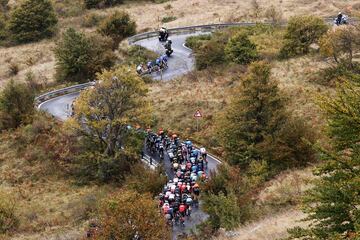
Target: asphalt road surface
x,y
180,62
197,215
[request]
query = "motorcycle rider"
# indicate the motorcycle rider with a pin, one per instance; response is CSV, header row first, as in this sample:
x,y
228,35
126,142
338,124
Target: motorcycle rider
x,y
163,34
168,48
341,19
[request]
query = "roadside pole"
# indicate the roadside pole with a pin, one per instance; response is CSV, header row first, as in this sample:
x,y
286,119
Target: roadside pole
x,y
197,116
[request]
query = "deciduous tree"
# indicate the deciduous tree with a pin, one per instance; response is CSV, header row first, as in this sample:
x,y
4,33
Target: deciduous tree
x,y
80,57
105,111
16,105
118,26
333,204
301,32
128,213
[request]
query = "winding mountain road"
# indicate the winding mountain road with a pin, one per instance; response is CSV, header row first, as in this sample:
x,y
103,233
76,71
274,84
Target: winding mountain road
x,y
180,63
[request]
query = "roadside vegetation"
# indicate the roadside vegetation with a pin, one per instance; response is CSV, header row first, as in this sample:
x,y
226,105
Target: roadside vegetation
x,y
267,94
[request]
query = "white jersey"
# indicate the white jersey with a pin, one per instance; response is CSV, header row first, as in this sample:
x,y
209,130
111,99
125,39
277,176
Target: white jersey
x,y
202,150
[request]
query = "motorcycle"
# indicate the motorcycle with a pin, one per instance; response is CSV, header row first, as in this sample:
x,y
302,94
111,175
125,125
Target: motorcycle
x,y
163,36
169,52
342,21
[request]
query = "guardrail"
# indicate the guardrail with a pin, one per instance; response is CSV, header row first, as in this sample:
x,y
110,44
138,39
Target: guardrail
x,y
60,92
190,29
180,30
213,27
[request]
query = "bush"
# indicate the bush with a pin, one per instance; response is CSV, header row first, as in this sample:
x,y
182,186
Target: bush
x,y
13,69
223,211
3,32
33,20
256,126
4,6
240,49
338,73
73,8
340,44
144,180
91,20
16,105
137,54
231,185
301,32
118,26
8,219
195,42
101,3
168,19
127,213
212,52
80,57
97,167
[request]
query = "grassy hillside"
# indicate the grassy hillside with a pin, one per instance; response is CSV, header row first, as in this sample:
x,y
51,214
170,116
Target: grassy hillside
x,y
52,206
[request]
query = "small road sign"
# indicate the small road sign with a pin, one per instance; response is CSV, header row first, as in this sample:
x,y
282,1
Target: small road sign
x,y
198,114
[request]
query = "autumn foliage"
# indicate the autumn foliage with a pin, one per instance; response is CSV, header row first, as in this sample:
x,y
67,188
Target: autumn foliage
x,y
127,213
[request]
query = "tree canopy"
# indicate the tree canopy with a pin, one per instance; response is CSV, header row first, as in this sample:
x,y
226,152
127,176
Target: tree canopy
x,y
333,204
115,102
16,105
118,26
33,20
79,57
128,213
301,32
255,125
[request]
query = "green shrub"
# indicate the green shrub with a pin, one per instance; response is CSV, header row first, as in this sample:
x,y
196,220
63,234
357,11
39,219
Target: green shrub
x,y
101,3
16,105
97,167
91,20
337,73
33,20
195,42
240,49
144,180
8,219
92,3
256,126
127,213
80,57
212,52
69,8
4,6
3,32
223,210
137,54
168,19
301,32
118,26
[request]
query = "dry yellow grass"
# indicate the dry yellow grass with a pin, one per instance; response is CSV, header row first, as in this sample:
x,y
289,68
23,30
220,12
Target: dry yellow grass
x,y
285,191
148,17
269,228
47,205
